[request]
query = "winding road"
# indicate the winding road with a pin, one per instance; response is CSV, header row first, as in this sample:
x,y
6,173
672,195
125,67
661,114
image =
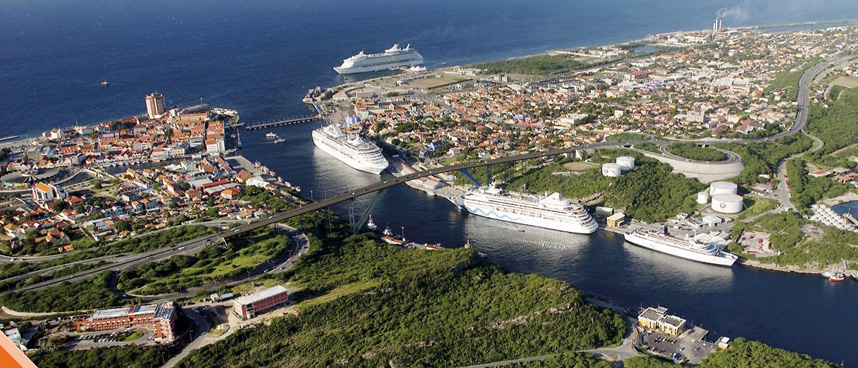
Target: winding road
x,y
134,260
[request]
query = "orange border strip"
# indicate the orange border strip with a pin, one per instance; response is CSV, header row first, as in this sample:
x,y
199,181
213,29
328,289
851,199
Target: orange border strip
x,y
11,356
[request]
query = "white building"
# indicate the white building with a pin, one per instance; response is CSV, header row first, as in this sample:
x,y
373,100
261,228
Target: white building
x,y
48,192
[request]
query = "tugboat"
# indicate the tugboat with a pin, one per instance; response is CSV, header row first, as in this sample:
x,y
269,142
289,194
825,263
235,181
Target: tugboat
x,y
371,225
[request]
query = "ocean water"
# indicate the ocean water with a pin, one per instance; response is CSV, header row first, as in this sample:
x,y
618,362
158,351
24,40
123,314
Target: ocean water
x,y
260,57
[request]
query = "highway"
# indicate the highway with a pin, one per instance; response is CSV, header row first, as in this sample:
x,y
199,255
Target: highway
x,y
130,261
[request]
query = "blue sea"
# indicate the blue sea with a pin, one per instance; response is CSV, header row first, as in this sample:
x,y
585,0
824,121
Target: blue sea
x,y
260,57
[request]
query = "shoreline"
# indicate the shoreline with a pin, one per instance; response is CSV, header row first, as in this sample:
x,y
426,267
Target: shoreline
x,y
450,193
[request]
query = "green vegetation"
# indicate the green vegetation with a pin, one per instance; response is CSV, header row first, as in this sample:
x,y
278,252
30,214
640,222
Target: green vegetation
x,y
646,146
835,125
414,308
134,336
743,353
788,80
648,362
806,190
570,185
762,158
695,152
128,356
215,262
832,248
626,137
651,192
835,92
91,293
261,198
567,360
61,272
138,244
531,65
756,205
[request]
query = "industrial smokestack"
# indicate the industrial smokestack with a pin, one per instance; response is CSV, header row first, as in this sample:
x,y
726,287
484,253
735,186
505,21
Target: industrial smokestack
x,y
715,26
720,21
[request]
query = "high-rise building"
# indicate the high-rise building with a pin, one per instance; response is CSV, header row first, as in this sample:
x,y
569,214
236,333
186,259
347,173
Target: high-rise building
x,y
154,105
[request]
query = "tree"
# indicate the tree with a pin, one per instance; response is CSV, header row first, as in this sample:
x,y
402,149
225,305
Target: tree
x,y
121,226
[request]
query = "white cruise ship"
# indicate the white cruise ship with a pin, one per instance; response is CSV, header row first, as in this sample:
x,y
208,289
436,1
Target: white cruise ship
x,y
353,150
551,212
393,57
688,249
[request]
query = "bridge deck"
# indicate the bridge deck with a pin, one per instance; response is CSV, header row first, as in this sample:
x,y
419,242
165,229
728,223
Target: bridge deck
x,y
301,120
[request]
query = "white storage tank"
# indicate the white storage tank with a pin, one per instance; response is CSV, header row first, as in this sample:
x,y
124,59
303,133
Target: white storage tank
x,y
627,162
612,170
703,197
723,187
727,203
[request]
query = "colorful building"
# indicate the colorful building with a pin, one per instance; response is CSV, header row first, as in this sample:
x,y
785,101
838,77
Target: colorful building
x,y
159,317
658,319
251,305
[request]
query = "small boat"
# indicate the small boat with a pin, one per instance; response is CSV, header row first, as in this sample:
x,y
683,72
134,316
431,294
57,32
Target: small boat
x,y
105,84
271,135
387,232
392,241
371,225
279,140
434,246
837,277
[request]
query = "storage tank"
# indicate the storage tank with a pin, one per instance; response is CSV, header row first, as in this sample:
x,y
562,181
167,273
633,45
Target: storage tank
x,y
723,187
727,203
703,197
612,170
628,162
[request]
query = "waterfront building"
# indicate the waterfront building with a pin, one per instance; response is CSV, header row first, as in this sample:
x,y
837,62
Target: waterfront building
x,y
658,319
154,105
249,306
159,317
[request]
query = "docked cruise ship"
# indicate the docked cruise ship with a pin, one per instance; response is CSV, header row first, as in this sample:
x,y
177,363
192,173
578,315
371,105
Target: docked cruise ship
x,y
688,249
351,149
551,212
393,57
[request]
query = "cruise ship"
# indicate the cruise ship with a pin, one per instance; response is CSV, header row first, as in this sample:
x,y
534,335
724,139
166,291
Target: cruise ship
x,y
550,212
351,149
688,249
393,57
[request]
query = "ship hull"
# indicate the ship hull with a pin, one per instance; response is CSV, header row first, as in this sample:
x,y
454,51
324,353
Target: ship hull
x,y
330,147
375,67
569,227
727,260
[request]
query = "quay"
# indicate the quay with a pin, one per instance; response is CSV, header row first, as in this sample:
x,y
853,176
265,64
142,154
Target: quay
x,y
292,121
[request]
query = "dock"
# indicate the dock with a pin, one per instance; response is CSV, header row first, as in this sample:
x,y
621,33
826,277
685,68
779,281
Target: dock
x,y
283,122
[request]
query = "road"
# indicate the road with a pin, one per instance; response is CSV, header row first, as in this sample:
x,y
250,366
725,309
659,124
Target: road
x,y
134,260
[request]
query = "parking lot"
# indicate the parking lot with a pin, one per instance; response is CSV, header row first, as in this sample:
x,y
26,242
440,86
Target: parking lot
x,y
689,346
102,339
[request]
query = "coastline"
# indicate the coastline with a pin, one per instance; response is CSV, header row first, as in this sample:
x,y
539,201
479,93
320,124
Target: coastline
x,y
450,193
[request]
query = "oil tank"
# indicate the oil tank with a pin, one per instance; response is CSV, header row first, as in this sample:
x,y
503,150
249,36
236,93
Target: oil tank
x,y
722,187
703,197
727,203
628,162
612,170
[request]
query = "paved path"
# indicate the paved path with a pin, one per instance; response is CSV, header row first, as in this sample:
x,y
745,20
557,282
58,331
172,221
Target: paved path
x,y
201,330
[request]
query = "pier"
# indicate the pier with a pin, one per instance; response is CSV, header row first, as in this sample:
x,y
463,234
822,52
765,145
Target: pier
x,y
283,122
